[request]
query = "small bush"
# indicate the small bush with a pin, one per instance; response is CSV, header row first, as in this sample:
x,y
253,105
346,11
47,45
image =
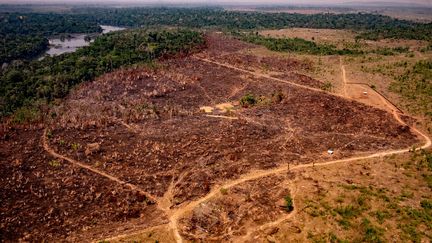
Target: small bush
x,y
289,204
54,163
75,146
224,191
49,134
248,100
327,86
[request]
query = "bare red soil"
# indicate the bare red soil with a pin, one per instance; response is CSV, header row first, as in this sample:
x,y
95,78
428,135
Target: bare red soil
x,y
144,126
47,199
237,210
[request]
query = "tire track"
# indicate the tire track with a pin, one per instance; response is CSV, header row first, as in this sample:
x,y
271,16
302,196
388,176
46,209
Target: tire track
x,y
90,168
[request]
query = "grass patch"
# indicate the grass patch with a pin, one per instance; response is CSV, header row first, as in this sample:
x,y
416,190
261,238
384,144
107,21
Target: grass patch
x,y
372,233
381,215
26,114
327,86
415,86
75,146
362,210
54,163
324,238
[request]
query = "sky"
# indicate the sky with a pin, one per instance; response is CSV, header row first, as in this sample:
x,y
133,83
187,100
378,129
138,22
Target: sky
x,y
404,2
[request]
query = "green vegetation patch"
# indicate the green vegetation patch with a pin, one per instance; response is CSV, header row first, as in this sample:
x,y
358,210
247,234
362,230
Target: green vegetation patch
x,y
367,212
250,100
289,203
408,30
373,26
303,46
297,45
415,86
24,34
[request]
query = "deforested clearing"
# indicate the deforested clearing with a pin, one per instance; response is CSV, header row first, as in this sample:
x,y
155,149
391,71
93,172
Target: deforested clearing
x,y
133,150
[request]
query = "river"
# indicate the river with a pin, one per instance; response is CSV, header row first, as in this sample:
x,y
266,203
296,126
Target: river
x,y
59,46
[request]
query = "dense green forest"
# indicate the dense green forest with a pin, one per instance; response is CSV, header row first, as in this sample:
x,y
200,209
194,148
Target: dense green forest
x,y
28,83
309,47
297,45
24,35
373,25
46,24
22,46
415,86
416,32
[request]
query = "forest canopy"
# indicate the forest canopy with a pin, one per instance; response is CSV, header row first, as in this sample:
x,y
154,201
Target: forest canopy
x,y
24,34
303,46
371,25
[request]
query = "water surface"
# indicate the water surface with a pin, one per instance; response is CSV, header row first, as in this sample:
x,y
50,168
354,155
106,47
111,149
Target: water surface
x,y
67,45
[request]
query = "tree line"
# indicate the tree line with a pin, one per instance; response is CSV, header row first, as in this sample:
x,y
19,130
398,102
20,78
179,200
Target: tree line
x,y
303,46
24,34
372,26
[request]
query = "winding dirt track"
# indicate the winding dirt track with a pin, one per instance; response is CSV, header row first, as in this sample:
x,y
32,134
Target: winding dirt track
x,y
174,214
82,165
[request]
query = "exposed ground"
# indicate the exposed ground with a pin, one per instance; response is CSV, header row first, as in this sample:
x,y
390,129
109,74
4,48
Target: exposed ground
x,y
47,198
169,153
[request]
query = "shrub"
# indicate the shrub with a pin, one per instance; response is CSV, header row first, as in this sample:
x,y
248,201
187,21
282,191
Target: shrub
x,y
75,146
224,191
25,115
54,163
289,204
49,134
248,100
327,86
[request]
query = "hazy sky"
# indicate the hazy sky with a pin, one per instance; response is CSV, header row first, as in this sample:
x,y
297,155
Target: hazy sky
x,y
404,2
